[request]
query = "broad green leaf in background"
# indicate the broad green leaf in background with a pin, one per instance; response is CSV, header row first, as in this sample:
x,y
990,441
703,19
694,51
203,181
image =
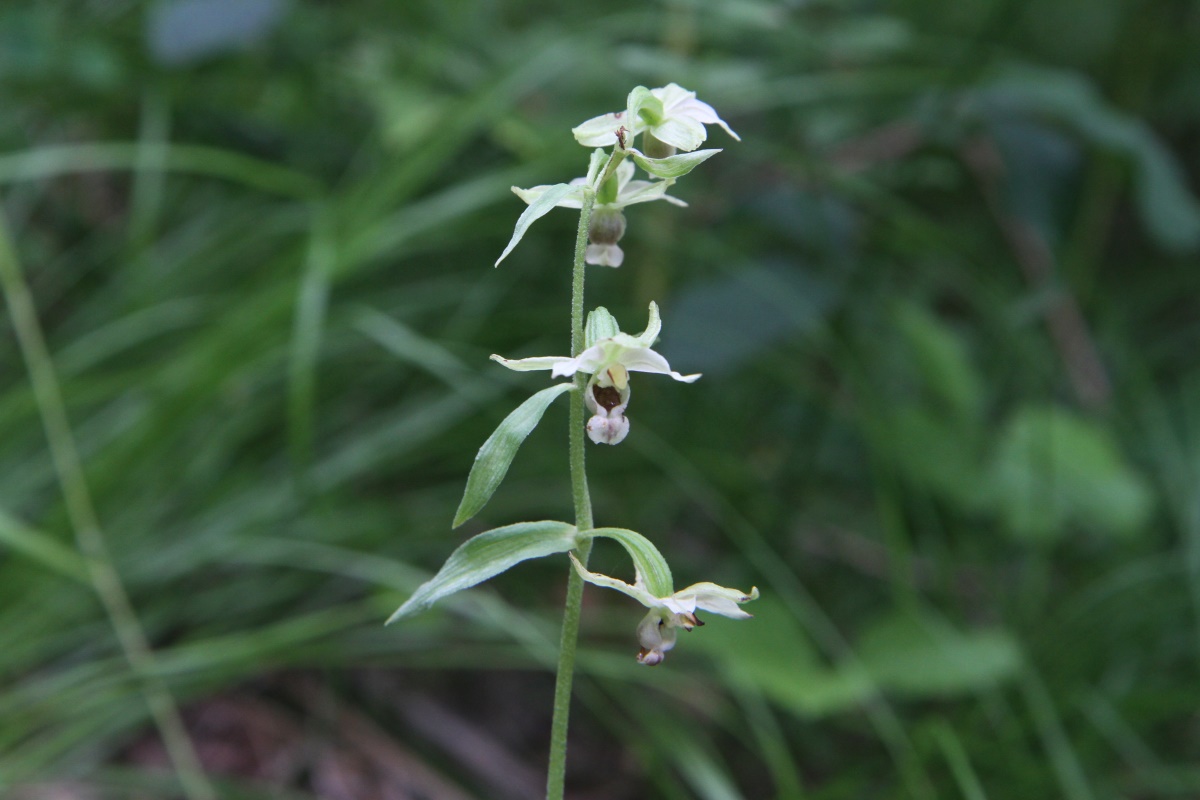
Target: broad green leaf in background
x,y
774,657
1168,209
934,452
720,325
942,360
486,556
537,209
919,654
496,454
1053,469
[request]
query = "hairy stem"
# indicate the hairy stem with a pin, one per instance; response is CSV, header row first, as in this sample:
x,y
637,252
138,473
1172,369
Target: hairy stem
x,y
89,536
556,778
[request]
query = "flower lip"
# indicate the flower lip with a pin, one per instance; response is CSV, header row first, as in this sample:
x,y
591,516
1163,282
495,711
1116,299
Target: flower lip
x,y
607,397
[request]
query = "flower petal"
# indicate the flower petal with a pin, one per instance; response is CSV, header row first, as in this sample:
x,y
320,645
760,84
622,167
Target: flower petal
x,y
681,131
562,365
570,200
643,359
636,592
703,112
540,207
601,131
653,327
717,599
645,192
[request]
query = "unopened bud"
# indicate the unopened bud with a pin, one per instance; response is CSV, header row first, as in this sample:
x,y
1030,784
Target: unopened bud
x,y
654,148
607,226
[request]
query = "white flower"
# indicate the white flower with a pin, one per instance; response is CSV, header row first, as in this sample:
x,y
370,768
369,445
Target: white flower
x,y
628,191
658,629
608,359
672,115
608,223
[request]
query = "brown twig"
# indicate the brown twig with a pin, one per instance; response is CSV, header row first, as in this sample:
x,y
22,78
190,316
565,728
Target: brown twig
x,y
1068,328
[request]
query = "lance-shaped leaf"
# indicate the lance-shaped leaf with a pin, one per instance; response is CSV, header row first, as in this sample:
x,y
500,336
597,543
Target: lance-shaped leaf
x,y
496,454
537,209
486,556
675,166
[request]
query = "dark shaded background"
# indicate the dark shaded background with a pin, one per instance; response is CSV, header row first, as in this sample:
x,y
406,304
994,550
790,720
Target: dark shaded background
x,y
943,294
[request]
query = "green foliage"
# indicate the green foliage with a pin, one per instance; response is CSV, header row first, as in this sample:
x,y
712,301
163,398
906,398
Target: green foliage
x,y
1053,470
537,209
496,454
265,282
485,556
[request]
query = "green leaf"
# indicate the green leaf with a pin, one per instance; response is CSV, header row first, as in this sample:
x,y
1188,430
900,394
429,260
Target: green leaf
x,y
600,325
40,547
917,653
649,562
673,166
486,556
942,359
775,657
496,454
1168,208
1054,469
537,209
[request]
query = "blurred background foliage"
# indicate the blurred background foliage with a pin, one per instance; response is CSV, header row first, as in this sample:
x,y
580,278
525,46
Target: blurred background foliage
x,y
943,294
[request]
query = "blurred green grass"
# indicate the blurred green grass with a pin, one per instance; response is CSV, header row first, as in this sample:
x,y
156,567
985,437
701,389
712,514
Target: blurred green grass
x,y
943,293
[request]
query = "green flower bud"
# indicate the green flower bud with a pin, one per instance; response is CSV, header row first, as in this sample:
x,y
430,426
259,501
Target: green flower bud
x,y
655,148
607,226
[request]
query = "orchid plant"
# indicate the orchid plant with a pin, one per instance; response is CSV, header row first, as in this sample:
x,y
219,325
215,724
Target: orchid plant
x,y
672,125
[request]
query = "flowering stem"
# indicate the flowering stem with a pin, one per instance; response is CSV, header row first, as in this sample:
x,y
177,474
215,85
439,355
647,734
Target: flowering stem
x,y
556,777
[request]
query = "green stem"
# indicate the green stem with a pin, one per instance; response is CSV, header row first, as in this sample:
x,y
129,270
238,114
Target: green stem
x,y
89,536
556,778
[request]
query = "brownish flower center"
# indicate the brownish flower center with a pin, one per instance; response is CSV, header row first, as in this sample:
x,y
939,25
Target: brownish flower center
x,y
607,397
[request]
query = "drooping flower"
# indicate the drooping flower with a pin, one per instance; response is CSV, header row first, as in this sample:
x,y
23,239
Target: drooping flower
x,y
608,222
670,116
658,630
609,357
